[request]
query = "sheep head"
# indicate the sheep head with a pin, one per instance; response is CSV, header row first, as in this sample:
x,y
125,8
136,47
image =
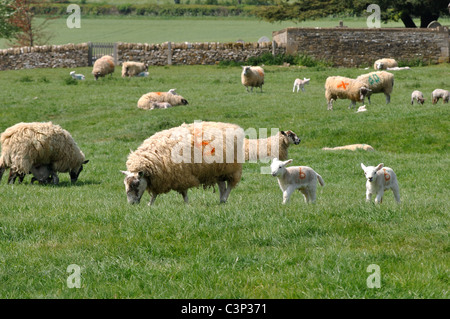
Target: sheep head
x,y
292,137
363,92
76,172
371,171
278,167
135,186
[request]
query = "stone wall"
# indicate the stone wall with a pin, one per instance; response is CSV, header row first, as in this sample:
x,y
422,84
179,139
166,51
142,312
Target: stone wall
x,y
358,47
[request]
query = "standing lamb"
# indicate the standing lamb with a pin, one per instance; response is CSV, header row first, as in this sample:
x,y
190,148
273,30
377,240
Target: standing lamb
x,y
344,88
283,138
103,66
383,64
146,100
380,179
303,178
439,94
418,96
300,84
378,82
25,145
130,68
157,166
252,76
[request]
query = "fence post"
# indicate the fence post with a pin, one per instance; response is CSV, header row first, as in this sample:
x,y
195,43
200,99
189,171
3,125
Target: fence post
x,y
116,58
274,47
169,53
90,54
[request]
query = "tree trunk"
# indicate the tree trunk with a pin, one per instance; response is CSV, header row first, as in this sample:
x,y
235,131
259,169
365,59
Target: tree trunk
x,y
426,18
407,20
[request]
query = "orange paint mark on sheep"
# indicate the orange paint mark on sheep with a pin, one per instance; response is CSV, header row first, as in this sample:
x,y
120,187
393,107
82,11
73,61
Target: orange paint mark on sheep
x,y
261,72
158,93
301,174
343,85
386,175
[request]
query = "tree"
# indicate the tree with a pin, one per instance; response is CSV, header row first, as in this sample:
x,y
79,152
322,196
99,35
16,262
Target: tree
x,y
7,29
404,10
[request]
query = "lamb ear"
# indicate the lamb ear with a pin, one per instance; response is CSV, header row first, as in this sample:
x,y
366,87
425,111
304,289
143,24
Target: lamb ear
x,y
289,161
125,172
363,166
380,166
274,159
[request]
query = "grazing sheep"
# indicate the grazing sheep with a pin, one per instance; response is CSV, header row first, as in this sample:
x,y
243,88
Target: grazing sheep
x,y
439,94
145,102
344,88
77,76
380,179
25,145
156,166
418,96
378,82
131,68
252,76
351,147
103,66
254,147
300,84
382,64
303,178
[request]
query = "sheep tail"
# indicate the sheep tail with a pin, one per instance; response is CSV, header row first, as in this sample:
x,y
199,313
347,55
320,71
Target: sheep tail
x,y
320,179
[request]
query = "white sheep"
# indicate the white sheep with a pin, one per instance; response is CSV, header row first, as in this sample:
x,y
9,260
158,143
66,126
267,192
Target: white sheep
x,y
303,178
77,76
362,108
396,68
383,64
130,68
252,76
146,100
351,147
344,88
159,167
418,96
262,148
378,82
439,94
300,84
143,74
380,179
103,66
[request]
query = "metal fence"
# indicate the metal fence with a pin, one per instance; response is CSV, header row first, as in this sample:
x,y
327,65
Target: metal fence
x,y
97,50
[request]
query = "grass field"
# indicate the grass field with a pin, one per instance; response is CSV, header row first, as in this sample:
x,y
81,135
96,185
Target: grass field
x,y
252,246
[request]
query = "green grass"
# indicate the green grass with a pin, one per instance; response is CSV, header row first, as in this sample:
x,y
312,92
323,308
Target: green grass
x,y
252,246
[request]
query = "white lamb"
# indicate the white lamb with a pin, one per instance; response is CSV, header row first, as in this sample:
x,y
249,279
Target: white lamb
x,y
77,76
439,94
418,96
300,84
303,178
379,179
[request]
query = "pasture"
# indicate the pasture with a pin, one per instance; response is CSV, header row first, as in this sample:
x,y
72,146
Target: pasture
x,y
252,246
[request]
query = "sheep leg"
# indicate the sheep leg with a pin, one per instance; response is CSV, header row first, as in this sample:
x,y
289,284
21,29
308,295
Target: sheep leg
x,y
388,98
379,198
352,104
152,199
303,89
2,170
224,190
21,177
55,178
368,196
312,195
305,195
293,89
330,104
396,192
12,177
287,194
185,196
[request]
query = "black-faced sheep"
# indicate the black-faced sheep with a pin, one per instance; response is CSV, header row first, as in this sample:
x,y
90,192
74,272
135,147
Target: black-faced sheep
x,y
344,88
262,148
146,100
131,68
252,76
378,82
103,66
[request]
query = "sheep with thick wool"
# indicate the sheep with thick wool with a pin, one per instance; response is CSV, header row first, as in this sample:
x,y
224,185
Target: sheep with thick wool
x,y
439,94
417,96
25,145
380,179
378,82
183,157
262,148
252,76
344,88
383,64
146,100
103,66
130,68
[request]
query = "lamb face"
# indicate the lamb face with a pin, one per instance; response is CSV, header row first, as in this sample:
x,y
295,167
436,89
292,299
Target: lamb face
x,y
371,171
135,186
293,138
41,174
278,167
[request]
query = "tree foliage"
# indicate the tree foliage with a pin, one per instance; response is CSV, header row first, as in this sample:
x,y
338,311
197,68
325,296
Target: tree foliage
x,y
7,29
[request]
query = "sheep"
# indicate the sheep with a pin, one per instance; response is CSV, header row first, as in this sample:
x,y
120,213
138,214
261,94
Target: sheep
x,y
382,64
300,84
396,68
77,76
378,82
157,105
143,74
145,101
131,68
439,94
379,179
262,148
103,66
418,96
25,145
252,76
158,166
344,88
303,178
42,174
362,108
351,147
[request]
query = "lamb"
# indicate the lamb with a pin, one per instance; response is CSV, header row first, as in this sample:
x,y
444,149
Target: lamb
x,y
158,166
42,174
344,88
351,147
146,100
103,66
418,96
303,178
131,68
143,74
262,148
439,94
300,84
157,105
383,64
378,82
252,76
77,76
25,145
379,179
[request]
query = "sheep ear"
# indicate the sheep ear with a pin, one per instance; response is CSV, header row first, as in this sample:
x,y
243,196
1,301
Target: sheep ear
x,y
363,166
380,166
283,132
141,173
274,159
125,172
86,161
289,161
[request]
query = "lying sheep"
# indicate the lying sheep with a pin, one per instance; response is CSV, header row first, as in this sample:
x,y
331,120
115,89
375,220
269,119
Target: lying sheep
x,y
130,68
157,105
146,100
344,88
158,166
252,76
25,145
378,82
303,178
418,96
300,84
351,147
77,76
383,64
103,66
262,148
380,179
439,94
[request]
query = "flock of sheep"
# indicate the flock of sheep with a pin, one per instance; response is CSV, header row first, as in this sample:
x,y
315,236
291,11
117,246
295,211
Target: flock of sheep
x,y
45,149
